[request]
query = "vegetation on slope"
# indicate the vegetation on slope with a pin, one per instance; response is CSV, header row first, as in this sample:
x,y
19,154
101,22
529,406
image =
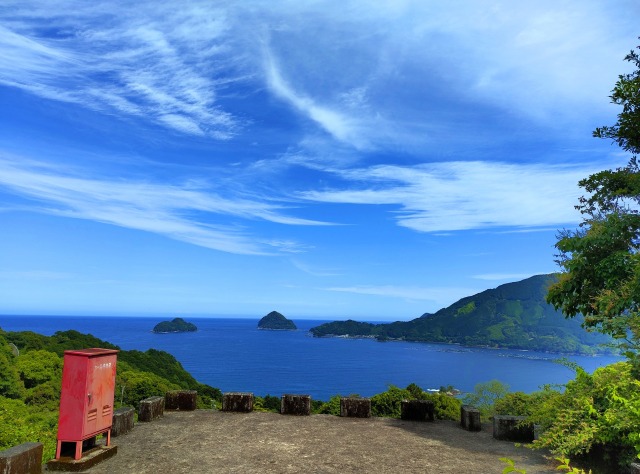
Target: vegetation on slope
x,y
175,325
593,419
30,380
514,315
275,320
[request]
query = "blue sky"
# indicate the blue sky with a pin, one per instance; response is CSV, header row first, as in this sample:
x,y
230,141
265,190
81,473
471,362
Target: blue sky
x,y
324,159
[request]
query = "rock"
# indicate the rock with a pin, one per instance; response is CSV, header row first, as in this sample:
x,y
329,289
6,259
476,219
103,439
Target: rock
x,y
275,320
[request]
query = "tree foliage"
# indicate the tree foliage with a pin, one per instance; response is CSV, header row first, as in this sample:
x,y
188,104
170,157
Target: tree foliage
x,y
175,325
601,263
597,415
485,395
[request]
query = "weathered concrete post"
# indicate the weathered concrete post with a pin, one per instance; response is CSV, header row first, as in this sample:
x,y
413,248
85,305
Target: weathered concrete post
x,y
470,418
237,401
122,421
184,400
355,407
151,408
295,405
25,458
417,410
511,428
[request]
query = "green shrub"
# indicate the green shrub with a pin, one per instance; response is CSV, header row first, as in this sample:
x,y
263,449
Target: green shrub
x,y
133,386
332,407
514,403
44,396
446,407
389,403
208,397
484,397
11,386
267,403
415,391
22,423
39,366
597,414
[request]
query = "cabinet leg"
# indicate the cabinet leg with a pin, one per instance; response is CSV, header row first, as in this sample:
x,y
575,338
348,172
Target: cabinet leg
x,y
78,454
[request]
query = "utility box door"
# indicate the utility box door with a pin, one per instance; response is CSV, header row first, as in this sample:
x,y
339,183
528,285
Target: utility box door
x,y
86,400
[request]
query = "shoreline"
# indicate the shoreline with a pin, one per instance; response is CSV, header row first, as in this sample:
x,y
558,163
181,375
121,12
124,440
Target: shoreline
x,y
470,346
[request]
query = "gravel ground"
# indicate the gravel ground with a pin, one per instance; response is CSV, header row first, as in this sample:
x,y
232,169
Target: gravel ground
x,y
207,441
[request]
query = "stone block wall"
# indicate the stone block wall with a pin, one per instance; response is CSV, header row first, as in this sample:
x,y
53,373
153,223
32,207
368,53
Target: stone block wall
x,y
184,400
25,458
295,405
470,418
151,408
123,419
237,401
355,407
510,428
417,410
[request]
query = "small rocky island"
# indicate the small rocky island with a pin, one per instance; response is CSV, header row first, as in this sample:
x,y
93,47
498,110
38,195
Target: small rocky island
x,y
276,321
176,325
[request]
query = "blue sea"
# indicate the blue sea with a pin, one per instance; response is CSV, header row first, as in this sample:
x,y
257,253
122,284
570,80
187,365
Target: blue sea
x,y
233,355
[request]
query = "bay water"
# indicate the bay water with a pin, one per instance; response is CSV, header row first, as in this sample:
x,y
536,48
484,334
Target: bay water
x,y
232,354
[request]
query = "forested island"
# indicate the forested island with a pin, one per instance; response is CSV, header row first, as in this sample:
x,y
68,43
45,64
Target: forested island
x,y
514,315
276,321
175,325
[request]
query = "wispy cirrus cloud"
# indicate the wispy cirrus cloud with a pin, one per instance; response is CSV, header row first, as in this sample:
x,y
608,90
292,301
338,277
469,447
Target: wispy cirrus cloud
x,y
144,61
368,77
454,196
179,211
336,122
438,295
35,275
505,276
310,270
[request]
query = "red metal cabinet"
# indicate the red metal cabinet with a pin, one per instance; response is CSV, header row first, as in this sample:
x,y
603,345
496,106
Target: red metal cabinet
x,y
86,400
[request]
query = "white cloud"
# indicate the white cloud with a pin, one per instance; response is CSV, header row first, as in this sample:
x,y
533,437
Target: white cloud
x,y
35,275
439,295
157,63
167,209
452,196
367,76
309,270
505,276
338,124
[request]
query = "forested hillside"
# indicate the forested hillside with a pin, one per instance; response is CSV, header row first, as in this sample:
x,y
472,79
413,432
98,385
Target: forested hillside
x,y
31,373
514,315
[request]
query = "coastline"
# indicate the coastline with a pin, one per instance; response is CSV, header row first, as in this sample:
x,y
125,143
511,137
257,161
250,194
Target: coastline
x,y
470,346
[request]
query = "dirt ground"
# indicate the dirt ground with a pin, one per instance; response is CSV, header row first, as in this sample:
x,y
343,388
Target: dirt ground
x,y
207,441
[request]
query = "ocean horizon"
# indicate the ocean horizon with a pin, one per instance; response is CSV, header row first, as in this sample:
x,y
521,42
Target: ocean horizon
x,y
232,354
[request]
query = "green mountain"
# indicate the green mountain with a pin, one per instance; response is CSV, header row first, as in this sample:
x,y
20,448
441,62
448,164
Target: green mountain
x,y
514,315
275,320
176,325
